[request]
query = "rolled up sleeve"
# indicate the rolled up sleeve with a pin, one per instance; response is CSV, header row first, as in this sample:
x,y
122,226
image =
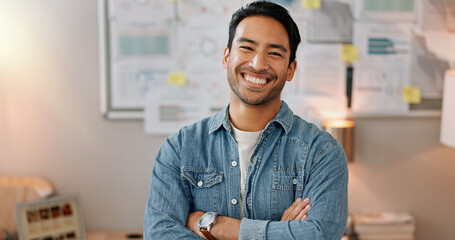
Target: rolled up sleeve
x,y
252,229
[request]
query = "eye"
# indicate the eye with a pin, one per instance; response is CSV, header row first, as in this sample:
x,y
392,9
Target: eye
x,y
276,54
246,48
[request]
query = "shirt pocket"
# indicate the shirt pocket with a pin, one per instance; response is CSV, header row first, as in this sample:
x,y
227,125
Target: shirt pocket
x,y
285,190
205,188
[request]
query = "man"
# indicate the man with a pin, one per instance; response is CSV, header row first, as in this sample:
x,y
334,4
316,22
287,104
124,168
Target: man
x,y
242,174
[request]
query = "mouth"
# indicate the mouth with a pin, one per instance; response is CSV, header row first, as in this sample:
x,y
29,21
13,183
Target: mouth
x,y
256,80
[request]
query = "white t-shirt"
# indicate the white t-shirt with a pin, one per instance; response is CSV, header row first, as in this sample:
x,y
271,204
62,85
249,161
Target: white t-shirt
x,y
246,142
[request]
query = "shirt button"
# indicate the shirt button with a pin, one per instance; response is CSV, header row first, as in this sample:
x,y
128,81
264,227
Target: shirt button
x,y
234,163
294,181
234,201
199,184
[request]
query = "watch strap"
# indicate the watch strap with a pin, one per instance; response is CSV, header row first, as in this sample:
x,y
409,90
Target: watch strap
x,y
207,234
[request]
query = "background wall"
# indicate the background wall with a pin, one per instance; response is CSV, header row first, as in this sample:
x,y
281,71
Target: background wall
x,y
51,126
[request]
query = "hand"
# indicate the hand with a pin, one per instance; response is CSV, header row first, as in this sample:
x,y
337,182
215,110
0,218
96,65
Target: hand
x,y
192,223
297,211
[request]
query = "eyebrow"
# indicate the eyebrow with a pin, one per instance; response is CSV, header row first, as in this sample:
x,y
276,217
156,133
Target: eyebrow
x,y
271,45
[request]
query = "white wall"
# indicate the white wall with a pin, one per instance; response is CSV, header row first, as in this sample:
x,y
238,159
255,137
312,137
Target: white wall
x,y
399,165
50,125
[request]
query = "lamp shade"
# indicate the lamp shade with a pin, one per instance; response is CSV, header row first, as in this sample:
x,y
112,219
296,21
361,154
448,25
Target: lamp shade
x,y
342,130
448,110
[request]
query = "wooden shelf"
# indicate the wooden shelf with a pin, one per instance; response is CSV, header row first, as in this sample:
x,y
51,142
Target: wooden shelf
x,y
104,235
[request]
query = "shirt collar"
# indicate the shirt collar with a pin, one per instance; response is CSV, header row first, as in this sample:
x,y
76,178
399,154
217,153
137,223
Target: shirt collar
x,y
221,119
284,117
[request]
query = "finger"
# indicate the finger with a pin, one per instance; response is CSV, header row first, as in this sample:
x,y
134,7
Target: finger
x,y
306,209
301,215
290,209
301,207
304,213
293,215
307,200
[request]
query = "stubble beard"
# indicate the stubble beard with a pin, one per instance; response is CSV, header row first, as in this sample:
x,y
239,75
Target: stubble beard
x,y
235,86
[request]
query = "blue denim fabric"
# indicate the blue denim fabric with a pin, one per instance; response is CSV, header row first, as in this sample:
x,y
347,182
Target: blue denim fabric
x,y
193,171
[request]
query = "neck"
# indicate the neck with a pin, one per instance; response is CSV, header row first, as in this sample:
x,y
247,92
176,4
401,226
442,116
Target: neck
x,y
252,118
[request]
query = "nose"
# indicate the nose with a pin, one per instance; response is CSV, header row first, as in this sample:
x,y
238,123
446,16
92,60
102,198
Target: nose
x,y
259,62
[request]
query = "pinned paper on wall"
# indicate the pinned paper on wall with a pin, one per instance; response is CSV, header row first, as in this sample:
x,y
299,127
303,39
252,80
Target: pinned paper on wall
x,y
145,47
431,54
379,89
386,10
411,94
349,53
332,23
311,4
148,49
176,79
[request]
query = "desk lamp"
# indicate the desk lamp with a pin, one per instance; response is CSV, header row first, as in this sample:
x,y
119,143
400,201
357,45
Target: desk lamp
x,y
342,130
448,110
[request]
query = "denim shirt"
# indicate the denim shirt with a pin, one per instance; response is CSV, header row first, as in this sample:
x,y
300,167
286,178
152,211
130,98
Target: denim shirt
x,y
197,169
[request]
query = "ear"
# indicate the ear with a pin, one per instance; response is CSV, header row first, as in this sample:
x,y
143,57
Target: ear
x,y
226,57
291,71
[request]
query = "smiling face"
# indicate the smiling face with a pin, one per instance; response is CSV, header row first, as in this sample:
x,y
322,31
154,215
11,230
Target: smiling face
x,y
258,62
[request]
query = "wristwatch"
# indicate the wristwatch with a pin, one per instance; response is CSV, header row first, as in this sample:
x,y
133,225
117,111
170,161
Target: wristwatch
x,y
206,222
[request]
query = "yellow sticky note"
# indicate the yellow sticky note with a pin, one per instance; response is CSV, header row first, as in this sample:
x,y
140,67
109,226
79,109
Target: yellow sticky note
x,y
176,79
349,53
411,95
311,4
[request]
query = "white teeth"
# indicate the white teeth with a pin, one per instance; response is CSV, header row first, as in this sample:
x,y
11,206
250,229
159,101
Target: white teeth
x,y
254,80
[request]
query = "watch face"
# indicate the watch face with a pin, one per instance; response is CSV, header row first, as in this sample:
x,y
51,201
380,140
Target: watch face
x,y
206,219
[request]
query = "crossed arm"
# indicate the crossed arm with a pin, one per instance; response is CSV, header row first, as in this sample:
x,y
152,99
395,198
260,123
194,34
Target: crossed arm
x,y
228,228
166,215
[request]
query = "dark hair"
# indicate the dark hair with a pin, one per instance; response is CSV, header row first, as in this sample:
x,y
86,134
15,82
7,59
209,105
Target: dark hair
x,y
267,9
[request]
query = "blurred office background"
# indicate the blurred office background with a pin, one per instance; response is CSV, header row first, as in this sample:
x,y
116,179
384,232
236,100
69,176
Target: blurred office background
x,y
51,126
